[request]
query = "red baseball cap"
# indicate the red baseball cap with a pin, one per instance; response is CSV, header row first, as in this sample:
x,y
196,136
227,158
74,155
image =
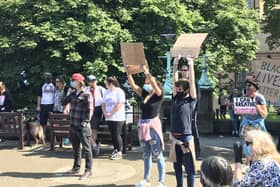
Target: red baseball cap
x,y
78,77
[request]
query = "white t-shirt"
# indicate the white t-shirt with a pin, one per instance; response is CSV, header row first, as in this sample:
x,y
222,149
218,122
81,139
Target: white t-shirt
x,y
98,95
111,98
48,91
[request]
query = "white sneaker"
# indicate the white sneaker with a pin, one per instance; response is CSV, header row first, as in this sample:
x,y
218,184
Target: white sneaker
x,y
160,184
143,183
116,156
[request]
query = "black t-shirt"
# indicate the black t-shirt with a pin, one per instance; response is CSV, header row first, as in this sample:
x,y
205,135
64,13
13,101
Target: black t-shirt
x,y
152,107
182,113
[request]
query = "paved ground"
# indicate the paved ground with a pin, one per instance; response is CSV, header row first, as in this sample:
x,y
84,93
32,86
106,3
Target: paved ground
x,y
37,166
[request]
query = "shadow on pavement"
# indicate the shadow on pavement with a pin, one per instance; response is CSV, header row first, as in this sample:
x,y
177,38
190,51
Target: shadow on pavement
x,y
44,151
34,175
104,185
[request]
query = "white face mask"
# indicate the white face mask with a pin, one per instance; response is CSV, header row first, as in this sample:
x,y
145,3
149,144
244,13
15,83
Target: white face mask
x,y
148,88
73,84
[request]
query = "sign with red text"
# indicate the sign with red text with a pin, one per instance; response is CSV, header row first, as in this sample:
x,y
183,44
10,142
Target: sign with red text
x,y
188,45
267,74
244,105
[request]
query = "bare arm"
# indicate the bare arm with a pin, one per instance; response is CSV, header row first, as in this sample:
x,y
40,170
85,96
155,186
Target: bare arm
x,y
237,171
137,89
192,78
175,73
152,80
262,110
38,103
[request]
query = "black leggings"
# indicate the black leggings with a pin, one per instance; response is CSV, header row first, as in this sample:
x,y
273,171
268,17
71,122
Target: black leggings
x,y
115,128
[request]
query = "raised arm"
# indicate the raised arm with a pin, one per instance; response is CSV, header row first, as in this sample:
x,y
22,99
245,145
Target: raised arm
x,y
175,76
191,78
137,89
152,80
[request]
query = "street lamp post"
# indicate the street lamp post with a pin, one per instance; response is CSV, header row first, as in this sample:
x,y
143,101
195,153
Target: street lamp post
x,y
205,106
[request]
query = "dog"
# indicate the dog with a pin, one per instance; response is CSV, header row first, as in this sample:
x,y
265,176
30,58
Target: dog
x,y
33,129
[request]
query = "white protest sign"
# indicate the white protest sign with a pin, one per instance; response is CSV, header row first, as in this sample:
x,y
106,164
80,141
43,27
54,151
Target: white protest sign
x,y
244,105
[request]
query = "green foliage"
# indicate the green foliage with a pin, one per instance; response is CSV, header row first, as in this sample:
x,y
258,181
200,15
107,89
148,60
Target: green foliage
x,y
69,36
272,22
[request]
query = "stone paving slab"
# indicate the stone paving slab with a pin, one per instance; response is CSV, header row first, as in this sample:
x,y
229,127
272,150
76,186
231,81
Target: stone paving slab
x,y
37,166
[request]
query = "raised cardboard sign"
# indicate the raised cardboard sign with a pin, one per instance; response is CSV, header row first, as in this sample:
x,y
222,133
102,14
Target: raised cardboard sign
x,y
244,105
188,45
267,74
134,56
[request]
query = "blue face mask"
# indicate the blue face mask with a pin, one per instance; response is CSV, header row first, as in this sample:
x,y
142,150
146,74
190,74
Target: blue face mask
x,y
247,150
148,88
73,84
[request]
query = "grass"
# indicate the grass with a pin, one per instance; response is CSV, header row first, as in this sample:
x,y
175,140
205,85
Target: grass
x,y
272,116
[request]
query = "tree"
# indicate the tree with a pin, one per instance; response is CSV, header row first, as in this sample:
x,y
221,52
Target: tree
x,y
58,36
82,35
272,22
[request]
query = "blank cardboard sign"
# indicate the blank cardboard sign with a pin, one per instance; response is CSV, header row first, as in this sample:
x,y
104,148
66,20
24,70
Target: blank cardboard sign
x,y
188,45
133,55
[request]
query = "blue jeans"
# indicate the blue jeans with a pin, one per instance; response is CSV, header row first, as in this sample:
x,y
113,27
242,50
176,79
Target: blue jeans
x,y
153,147
234,120
186,160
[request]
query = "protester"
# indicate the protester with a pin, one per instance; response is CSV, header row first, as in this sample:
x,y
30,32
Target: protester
x,y
265,161
255,119
6,102
149,127
215,171
97,93
58,95
183,105
185,76
45,99
80,132
113,108
222,100
233,116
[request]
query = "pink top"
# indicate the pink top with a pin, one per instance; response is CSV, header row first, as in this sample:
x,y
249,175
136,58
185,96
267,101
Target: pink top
x,y
144,130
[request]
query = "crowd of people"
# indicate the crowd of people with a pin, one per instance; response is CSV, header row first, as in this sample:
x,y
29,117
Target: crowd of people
x,y
89,104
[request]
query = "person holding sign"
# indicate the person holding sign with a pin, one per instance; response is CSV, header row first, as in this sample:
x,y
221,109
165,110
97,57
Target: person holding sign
x,y
233,116
149,127
185,76
258,101
183,106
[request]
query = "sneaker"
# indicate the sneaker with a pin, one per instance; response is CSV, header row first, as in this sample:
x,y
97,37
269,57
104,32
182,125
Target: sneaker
x,y
66,141
160,184
116,156
233,133
143,183
95,150
73,172
86,175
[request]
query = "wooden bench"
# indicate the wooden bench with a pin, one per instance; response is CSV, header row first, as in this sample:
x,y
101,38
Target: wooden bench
x,y
11,126
59,128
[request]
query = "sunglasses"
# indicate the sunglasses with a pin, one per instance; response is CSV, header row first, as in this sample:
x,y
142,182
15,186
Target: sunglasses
x,y
185,70
248,143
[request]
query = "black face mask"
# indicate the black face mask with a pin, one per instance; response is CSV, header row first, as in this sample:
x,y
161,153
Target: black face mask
x,y
47,80
181,94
